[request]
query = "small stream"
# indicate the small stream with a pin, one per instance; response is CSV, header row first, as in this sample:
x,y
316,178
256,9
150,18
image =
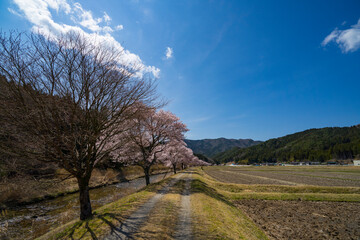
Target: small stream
x,y
33,220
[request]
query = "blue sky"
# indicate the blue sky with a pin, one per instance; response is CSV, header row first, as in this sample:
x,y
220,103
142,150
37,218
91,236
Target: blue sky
x,y
234,69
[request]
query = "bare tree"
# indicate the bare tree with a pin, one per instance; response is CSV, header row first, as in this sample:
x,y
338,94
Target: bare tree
x,y
70,97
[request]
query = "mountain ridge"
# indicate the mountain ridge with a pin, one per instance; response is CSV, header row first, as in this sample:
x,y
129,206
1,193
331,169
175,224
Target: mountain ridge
x,y
209,147
317,144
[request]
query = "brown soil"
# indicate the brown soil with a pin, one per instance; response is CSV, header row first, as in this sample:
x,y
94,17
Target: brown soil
x,y
304,220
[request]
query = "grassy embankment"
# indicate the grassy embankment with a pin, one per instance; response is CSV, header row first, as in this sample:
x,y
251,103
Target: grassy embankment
x,y
28,189
215,217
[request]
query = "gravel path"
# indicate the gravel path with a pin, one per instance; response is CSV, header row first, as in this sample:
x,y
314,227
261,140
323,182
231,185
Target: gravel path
x,y
134,222
183,230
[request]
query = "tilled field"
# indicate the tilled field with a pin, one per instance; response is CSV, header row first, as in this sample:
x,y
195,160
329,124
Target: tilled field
x,y
262,175
304,220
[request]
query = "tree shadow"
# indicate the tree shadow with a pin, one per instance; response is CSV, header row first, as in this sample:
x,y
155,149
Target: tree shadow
x,y
93,235
82,229
117,229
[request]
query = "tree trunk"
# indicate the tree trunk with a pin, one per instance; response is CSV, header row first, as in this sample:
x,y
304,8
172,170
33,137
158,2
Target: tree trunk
x,y
147,175
174,166
85,205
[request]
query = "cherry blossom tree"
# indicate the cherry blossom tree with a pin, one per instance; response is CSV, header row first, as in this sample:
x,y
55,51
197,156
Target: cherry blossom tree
x,y
174,154
149,135
177,153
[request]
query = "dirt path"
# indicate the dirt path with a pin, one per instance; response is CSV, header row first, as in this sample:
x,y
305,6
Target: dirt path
x,y
184,230
134,222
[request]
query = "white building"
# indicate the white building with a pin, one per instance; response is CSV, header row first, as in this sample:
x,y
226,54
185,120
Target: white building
x,y
356,162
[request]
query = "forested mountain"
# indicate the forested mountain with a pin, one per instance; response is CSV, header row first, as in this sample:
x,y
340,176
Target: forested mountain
x,y
210,147
312,145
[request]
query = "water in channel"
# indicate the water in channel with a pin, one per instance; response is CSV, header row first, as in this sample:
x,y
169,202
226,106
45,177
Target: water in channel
x,y
33,220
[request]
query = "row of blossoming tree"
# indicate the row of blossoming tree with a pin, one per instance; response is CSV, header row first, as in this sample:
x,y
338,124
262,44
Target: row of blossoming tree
x,y
73,102
154,137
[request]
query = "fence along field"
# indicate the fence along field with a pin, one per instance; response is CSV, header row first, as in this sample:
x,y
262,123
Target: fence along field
x,y
294,202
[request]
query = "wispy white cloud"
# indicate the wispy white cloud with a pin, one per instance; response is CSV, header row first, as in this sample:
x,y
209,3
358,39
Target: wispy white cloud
x,y
38,13
106,17
348,39
332,36
119,27
14,12
169,52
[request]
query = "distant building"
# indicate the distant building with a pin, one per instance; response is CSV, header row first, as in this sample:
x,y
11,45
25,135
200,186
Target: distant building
x,y
331,163
356,162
